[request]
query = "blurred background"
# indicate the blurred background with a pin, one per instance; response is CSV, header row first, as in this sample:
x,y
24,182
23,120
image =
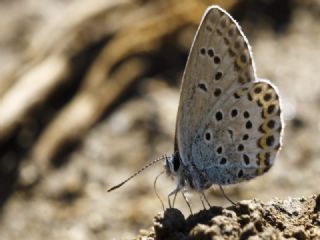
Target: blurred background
x,y
89,92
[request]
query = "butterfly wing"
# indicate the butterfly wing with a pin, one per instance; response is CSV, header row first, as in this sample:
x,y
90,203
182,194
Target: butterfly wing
x,y
212,70
219,66
241,139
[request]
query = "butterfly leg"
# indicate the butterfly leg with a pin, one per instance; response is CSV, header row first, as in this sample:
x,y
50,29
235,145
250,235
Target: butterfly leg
x,y
187,202
174,192
204,206
205,198
174,198
155,189
232,202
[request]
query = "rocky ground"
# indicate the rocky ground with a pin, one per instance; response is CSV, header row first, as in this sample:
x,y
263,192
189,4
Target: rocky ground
x,y
294,218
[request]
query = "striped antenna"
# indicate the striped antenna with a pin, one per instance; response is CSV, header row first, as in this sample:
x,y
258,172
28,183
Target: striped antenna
x,y
137,173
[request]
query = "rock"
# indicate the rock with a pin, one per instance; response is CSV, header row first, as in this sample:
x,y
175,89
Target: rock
x,y
279,219
171,222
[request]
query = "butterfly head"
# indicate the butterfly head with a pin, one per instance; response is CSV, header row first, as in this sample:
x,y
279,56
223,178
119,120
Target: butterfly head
x,y
185,179
172,165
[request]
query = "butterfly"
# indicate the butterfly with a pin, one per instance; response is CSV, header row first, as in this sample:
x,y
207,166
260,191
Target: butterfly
x,y
229,122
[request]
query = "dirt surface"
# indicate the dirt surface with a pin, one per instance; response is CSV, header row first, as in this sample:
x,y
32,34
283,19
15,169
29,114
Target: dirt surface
x,y
297,218
67,197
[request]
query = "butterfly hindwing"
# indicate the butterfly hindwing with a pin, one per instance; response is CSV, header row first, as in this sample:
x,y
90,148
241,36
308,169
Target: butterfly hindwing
x,y
242,138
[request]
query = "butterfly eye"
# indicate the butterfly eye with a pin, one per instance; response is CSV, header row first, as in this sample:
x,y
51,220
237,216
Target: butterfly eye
x,y
176,163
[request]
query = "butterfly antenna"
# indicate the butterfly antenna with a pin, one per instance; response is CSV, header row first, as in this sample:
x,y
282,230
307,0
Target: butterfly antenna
x,y
155,188
137,173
